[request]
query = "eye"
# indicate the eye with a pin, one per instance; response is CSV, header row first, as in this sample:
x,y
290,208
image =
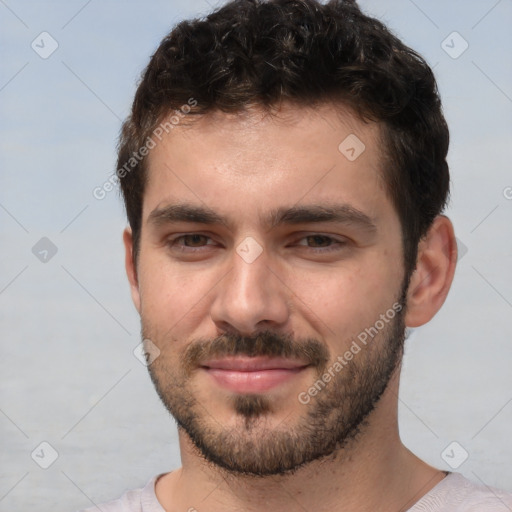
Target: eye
x,y
321,243
190,242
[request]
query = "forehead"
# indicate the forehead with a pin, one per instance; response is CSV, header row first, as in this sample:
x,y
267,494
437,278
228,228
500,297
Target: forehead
x,y
257,160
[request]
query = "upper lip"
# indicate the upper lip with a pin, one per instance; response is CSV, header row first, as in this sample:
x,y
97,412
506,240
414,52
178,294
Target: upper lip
x,y
252,364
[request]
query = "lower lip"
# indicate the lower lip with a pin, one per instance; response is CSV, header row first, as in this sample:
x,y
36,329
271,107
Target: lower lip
x,y
257,381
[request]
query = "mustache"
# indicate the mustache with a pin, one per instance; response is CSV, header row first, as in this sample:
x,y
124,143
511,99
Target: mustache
x,y
265,343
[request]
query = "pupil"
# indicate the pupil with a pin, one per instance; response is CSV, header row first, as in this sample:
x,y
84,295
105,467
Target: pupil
x,y
320,240
195,239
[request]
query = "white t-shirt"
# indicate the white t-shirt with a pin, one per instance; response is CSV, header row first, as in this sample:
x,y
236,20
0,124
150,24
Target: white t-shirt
x,y
454,493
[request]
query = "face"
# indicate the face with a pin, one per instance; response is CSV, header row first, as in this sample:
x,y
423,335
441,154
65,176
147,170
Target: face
x,y
270,284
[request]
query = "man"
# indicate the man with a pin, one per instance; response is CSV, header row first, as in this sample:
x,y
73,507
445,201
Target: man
x,y
284,175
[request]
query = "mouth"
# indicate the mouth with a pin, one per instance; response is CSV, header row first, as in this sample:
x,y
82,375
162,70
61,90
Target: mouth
x,y
241,374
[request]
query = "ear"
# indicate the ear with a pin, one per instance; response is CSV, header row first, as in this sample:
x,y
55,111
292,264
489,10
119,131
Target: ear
x,y
131,270
435,268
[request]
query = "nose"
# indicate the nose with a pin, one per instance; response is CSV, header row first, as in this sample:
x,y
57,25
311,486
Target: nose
x,y
251,297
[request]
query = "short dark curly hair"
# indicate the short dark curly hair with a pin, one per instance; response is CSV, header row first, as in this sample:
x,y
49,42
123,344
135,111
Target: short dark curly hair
x,y
256,52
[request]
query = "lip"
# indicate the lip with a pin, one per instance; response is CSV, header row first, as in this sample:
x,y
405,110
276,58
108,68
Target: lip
x,y
251,364
252,374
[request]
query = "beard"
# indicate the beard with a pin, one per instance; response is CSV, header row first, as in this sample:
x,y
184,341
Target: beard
x,y
256,446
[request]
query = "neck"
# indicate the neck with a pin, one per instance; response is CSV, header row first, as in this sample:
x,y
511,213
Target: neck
x,y
373,472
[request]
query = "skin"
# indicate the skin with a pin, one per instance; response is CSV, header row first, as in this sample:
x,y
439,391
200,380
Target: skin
x,y
242,167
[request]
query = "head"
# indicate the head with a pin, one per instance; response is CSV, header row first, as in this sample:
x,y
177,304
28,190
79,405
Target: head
x,y
261,119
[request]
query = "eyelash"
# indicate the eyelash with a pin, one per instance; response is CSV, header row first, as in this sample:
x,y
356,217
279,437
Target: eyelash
x,y
323,250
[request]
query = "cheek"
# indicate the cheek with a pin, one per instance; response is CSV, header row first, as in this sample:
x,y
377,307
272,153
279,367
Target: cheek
x,y
343,301
168,294
175,300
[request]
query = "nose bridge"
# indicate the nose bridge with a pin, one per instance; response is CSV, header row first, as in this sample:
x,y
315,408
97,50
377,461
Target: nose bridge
x,y
250,294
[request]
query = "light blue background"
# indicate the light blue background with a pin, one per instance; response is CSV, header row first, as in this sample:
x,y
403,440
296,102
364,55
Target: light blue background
x,y
68,327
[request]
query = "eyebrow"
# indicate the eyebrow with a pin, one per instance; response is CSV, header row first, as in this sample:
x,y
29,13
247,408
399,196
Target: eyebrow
x,y
184,212
308,214
304,214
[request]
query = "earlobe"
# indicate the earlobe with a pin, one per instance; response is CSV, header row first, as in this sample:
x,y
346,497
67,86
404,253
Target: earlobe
x,y
435,268
131,270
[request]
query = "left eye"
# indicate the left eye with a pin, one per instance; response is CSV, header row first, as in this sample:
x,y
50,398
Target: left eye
x,y
322,242
318,239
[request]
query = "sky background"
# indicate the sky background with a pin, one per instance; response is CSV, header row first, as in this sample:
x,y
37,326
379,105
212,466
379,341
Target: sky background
x,y
68,327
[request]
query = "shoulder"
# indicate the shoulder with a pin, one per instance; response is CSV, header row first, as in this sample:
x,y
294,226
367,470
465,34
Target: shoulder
x,y
136,500
456,493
